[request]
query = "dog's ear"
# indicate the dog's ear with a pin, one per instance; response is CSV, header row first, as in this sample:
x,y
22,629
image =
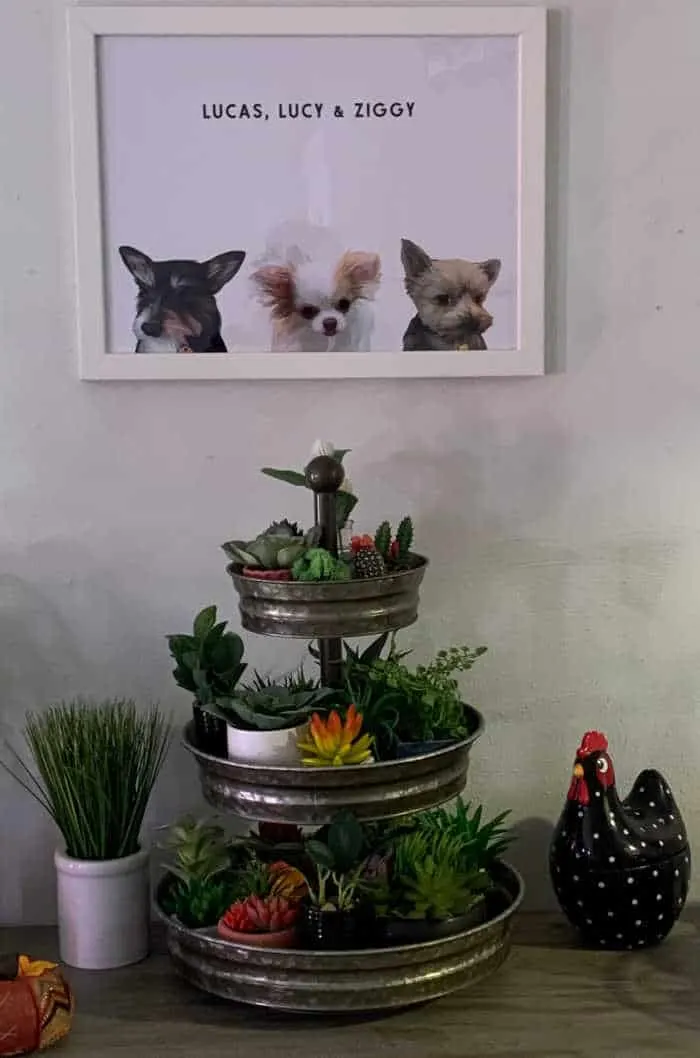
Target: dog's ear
x,y
222,268
139,264
492,269
275,286
414,259
361,272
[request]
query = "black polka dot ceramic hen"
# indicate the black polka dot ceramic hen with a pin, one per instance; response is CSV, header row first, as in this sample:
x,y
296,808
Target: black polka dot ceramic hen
x,y
620,869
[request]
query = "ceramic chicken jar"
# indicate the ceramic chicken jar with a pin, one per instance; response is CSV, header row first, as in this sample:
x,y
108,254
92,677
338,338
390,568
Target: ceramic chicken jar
x,y
620,869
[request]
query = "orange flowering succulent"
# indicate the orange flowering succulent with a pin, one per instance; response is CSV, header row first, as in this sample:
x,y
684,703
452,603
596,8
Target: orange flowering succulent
x,y
287,881
333,742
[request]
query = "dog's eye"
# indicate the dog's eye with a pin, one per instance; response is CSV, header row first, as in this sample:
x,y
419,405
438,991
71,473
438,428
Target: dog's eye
x,y
308,312
479,299
442,299
343,305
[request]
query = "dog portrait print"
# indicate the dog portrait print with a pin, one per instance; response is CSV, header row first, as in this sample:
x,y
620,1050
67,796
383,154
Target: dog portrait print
x,y
176,308
317,293
449,297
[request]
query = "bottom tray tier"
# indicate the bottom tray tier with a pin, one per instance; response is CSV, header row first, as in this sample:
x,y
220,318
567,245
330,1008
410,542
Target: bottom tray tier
x,y
340,982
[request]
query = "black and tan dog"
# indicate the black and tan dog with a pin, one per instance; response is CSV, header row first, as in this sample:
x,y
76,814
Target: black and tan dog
x,y
449,297
176,309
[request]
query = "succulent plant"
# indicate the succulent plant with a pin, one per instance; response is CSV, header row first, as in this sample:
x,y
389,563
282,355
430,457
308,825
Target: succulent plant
x,y
284,528
287,881
275,708
317,564
276,548
332,742
401,547
209,661
203,887
200,850
382,540
270,914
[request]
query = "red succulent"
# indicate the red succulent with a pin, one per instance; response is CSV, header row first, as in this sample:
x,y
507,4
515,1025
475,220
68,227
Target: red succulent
x,y
269,914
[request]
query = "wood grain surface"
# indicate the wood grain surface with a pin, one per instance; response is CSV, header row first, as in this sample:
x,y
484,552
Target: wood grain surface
x,y
552,999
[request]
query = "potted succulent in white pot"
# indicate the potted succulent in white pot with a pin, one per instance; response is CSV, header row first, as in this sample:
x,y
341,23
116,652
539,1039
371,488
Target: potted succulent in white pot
x,y
96,764
264,720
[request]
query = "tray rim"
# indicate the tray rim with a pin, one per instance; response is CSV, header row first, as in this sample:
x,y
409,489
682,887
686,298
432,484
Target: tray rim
x,y
401,767
397,582
253,955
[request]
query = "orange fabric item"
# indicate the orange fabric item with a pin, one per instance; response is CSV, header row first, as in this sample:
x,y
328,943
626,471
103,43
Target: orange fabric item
x,y
36,1008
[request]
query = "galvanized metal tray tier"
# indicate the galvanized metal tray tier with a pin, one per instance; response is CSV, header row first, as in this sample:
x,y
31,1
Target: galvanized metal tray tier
x,y
324,610
347,981
311,796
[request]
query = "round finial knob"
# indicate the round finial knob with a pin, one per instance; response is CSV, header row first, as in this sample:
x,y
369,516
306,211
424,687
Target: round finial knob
x,y
324,474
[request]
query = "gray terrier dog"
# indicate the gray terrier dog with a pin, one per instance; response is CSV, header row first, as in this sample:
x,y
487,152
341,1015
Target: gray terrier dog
x,y
449,296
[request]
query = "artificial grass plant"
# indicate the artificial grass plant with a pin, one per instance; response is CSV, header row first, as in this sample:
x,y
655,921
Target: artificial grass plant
x,y
97,763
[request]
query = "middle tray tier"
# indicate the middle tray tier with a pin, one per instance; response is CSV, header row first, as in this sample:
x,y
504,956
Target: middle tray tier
x,y
312,796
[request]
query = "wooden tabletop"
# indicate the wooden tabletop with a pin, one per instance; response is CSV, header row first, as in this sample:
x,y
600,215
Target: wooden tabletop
x,y
550,1000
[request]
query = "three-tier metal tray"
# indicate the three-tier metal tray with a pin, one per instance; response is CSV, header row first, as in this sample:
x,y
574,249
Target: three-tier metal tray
x,y
339,981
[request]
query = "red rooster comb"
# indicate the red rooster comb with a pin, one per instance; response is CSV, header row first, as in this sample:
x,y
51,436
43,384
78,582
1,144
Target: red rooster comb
x,y
592,742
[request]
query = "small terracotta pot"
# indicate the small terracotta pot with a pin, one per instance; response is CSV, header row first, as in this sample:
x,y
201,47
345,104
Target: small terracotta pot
x,y
267,574
285,938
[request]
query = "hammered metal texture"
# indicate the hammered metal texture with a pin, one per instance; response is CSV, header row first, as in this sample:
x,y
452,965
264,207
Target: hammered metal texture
x,y
325,610
311,796
341,982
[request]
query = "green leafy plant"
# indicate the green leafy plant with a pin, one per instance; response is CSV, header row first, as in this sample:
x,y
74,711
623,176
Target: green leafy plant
x,y
97,763
345,500
209,662
480,843
432,707
273,708
338,853
318,564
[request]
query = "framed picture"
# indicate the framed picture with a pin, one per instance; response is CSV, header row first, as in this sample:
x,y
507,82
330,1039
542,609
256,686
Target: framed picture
x,y
308,192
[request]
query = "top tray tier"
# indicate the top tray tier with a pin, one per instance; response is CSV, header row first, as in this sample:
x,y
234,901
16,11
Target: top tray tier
x,y
325,610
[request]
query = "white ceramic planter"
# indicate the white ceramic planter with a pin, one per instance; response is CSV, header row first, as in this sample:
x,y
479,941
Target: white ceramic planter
x,y
103,910
264,747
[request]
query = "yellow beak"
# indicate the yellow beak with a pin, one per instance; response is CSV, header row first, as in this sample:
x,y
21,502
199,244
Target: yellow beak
x,y
578,771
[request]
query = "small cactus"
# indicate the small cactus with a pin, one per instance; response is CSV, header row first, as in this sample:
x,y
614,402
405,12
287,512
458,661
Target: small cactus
x,y
404,539
382,540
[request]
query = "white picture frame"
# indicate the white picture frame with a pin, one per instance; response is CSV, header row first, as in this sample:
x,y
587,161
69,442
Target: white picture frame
x,y
87,29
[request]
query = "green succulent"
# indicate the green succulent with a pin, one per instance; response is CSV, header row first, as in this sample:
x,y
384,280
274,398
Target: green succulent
x,y
200,850
479,843
273,708
317,564
404,540
208,663
284,528
199,903
273,549
382,540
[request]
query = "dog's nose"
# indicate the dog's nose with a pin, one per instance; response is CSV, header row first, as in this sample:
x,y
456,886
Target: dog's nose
x,y
151,328
330,326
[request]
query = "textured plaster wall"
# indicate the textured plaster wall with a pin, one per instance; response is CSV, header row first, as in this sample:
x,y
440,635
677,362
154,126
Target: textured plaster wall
x,y
562,514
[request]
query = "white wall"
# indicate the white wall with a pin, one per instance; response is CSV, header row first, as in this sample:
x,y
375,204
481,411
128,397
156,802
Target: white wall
x,y
562,514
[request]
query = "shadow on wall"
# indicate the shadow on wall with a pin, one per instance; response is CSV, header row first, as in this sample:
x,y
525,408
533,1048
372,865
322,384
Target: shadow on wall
x,y
529,854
